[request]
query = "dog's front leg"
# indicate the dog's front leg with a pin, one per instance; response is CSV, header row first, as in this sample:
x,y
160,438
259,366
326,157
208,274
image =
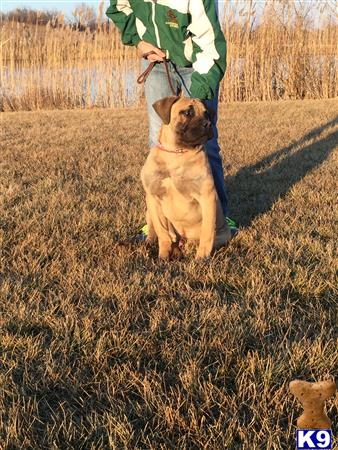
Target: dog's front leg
x,y
160,224
208,205
151,236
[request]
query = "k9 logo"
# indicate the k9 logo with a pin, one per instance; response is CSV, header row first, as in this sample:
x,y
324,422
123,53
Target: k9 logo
x,y
314,439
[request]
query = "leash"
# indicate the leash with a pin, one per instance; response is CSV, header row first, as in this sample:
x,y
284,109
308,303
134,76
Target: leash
x,y
144,75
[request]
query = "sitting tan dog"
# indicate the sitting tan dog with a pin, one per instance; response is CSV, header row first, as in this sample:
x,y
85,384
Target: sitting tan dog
x,y
182,202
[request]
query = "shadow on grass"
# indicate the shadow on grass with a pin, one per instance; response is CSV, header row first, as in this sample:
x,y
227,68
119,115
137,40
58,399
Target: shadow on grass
x,y
255,188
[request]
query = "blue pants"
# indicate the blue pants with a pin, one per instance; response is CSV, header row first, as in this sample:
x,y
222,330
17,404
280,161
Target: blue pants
x,y
157,87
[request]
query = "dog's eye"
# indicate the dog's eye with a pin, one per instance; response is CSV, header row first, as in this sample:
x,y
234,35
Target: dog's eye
x,y
188,112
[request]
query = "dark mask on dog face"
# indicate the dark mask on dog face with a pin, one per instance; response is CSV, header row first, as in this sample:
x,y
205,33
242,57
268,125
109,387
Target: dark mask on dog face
x,y
189,119
194,126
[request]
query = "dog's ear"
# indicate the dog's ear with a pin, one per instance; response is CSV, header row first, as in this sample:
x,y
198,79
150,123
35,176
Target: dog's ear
x,y
211,112
163,107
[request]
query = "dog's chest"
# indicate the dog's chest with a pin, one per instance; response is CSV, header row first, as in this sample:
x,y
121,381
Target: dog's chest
x,y
162,181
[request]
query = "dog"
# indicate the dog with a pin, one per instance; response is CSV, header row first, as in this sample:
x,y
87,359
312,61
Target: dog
x,y
182,202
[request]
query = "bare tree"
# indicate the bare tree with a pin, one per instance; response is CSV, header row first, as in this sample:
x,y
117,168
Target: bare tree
x,y
31,16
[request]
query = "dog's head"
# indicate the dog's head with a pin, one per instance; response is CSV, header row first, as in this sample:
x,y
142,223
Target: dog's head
x,y
189,119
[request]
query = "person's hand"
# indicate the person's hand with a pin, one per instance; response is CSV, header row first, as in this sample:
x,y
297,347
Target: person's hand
x,y
144,47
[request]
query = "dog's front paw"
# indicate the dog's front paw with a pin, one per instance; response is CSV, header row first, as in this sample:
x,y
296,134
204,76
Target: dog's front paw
x,y
164,250
202,254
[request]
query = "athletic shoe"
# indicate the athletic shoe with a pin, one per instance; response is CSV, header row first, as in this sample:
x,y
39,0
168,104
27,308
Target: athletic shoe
x,y
142,234
232,225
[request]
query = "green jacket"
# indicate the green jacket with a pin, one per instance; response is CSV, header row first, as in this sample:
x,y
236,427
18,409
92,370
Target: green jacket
x,y
188,30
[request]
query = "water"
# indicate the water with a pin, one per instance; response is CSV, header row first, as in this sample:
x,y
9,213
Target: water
x,y
113,83
99,84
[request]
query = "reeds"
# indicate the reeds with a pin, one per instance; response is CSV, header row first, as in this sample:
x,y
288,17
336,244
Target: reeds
x,y
46,67
286,50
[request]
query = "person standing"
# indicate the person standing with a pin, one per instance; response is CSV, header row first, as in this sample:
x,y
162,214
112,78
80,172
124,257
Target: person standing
x,y
188,34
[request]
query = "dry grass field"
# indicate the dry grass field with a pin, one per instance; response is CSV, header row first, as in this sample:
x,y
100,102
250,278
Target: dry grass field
x,y
102,346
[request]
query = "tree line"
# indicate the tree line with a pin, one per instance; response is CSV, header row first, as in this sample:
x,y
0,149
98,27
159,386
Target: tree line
x,y
82,17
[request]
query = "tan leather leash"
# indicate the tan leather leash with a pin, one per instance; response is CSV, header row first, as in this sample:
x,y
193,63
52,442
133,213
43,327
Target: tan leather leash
x,y
144,75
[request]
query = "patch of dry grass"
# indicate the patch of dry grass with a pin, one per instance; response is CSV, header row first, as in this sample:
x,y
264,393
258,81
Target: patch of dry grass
x,y
102,347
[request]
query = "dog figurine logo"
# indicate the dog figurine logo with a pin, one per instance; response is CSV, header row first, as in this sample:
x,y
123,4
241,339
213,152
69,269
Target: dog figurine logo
x,y
312,396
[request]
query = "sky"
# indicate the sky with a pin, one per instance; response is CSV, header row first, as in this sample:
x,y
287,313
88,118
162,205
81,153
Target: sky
x,y
66,6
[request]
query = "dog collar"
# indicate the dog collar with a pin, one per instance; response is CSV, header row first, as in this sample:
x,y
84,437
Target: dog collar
x,y
177,150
